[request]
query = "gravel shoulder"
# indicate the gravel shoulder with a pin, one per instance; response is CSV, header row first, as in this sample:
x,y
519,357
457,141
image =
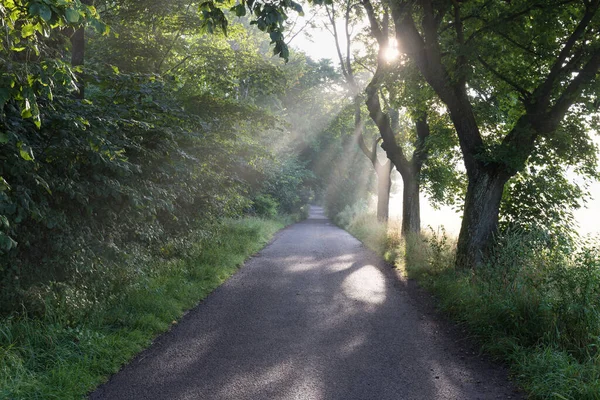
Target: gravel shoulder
x,y
314,315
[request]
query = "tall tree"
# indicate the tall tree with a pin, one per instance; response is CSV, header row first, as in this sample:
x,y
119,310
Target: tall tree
x,y
550,57
382,169
396,82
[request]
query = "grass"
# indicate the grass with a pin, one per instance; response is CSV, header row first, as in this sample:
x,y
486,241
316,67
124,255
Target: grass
x,y
77,344
534,306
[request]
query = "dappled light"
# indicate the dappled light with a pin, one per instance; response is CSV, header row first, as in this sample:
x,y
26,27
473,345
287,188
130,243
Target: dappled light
x,y
366,285
192,178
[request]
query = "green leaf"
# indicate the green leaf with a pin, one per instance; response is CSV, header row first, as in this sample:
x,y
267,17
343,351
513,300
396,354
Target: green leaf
x,y
4,138
298,8
100,27
4,186
72,16
34,9
25,151
6,242
4,96
45,13
26,113
27,30
239,10
276,36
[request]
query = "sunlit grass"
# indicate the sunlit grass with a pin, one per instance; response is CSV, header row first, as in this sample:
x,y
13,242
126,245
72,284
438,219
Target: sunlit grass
x,y
56,357
534,307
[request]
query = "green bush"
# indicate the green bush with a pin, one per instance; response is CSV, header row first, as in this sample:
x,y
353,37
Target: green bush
x,y
265,206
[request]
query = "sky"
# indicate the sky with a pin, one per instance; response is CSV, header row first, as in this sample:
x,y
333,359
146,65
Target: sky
x,y
323,46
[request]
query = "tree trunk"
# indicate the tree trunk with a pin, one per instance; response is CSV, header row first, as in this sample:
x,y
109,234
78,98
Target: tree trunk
x,y
480,219
78,55
384,184
411,208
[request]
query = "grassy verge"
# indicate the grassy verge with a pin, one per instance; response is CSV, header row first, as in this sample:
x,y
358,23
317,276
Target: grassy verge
x,y
74,347
533,305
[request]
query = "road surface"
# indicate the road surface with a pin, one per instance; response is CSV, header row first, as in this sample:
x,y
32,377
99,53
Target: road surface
x,y
314,315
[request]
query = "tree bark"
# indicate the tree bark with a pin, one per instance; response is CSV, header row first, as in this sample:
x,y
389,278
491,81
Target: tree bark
x,y
384,185
410,170
411,207
480,219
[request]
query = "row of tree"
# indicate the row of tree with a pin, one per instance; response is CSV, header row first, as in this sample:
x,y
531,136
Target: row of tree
x,y
514,83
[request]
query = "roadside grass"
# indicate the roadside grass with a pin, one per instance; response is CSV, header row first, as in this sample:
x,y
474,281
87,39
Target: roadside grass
x,y
534,305
77,344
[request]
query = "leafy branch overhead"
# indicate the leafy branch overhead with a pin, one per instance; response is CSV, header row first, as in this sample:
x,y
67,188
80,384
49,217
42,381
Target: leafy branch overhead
x,y
30,68
268,16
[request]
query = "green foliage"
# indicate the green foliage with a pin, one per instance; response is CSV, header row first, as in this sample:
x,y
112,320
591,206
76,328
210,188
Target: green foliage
x,y
288,183
265,206
268,17
77,343
102,178
162,142
30,64
544,195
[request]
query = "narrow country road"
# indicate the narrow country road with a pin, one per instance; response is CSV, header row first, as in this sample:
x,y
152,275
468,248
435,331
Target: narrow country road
x,y
314,315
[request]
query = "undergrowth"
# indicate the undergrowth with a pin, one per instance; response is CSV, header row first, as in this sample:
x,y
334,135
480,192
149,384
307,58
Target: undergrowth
x,y
77,343
533,305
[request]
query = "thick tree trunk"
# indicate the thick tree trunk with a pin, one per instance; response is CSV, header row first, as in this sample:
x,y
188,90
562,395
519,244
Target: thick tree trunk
x,y
384,184
480,219
411,207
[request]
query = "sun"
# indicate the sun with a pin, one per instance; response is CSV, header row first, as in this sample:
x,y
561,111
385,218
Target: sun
x,y
391,52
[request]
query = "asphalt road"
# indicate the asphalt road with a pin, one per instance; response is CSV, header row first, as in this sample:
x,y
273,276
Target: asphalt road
x,y
314,315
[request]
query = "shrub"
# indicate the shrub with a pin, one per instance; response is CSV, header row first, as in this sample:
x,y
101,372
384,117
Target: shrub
x,y
265,206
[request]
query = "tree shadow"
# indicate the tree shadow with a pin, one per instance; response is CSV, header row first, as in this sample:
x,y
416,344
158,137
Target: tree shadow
x,y
316,316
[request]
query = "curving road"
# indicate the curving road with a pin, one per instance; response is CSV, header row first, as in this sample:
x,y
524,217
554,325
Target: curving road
x,y
314,315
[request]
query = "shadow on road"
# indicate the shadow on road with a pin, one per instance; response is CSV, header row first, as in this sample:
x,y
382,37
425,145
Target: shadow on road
x,y
313,316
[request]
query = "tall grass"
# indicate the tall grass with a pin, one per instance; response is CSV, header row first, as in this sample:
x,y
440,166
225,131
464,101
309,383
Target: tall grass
x,y
77,342
534,304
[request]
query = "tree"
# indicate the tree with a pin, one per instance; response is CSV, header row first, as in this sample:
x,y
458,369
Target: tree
x,y
501,107
547,71
394,82
382,169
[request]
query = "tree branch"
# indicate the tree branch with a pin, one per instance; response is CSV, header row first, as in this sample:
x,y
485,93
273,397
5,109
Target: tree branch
x,y
524,93
331,15
375,28
573,90
420,153
544,91
382,120
461,59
